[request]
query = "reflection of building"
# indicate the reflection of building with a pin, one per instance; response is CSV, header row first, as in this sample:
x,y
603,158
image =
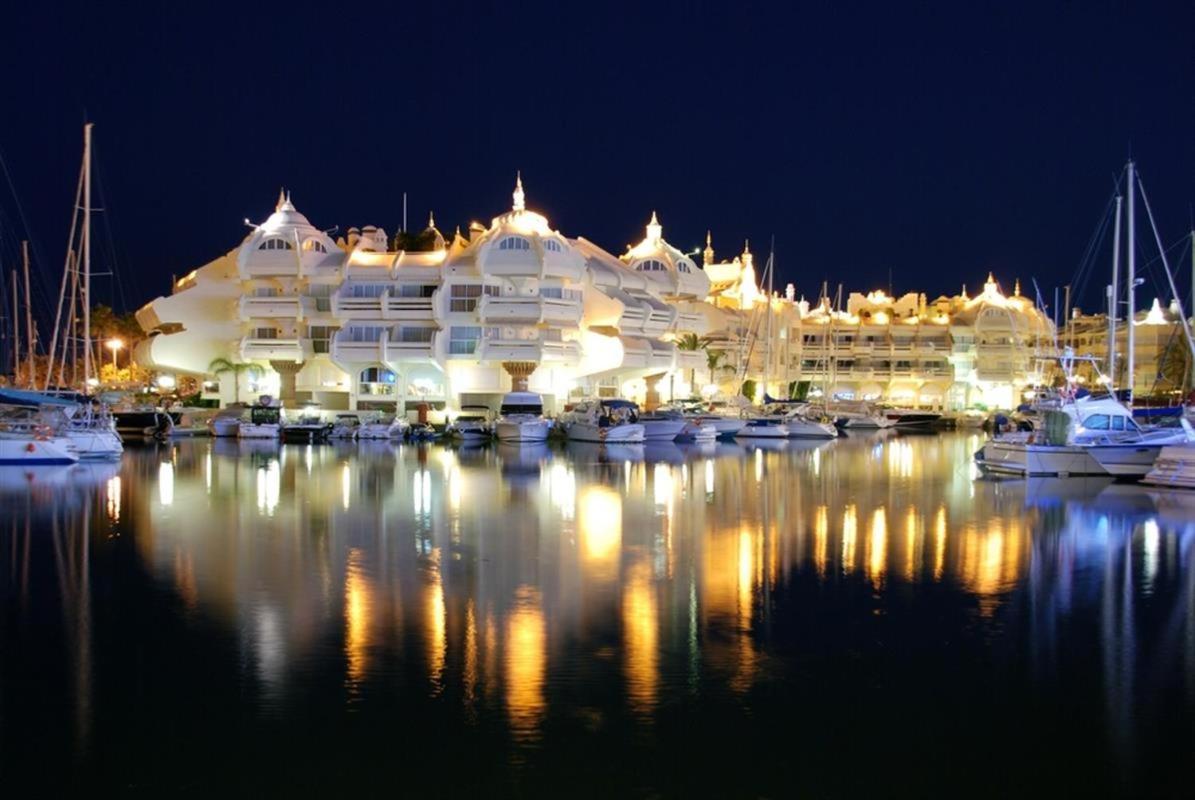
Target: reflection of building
x,y
1161,364
360,323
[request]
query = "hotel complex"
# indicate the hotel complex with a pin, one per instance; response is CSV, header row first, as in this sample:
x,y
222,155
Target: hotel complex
x,y
357,323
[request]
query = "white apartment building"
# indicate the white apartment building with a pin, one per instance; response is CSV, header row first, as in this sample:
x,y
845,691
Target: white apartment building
x,y
356,324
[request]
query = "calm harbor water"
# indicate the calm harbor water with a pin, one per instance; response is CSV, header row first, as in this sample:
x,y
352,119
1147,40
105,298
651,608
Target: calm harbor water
x,y
813,619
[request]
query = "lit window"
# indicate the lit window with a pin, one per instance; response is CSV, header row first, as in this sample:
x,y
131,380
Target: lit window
x,y
553,245
683,266
651,266
314,246
514,243
377,375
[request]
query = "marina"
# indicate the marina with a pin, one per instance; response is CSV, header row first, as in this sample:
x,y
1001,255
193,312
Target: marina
x,y
555,608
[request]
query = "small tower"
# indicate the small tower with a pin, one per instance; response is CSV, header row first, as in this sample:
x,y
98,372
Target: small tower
x,y
707,255
520,199
655,231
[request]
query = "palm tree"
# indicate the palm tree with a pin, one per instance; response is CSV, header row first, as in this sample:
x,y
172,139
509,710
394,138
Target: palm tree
x,y
220,365
693,342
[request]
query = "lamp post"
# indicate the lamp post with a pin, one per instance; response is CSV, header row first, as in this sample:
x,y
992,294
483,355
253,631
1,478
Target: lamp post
x,y
114,345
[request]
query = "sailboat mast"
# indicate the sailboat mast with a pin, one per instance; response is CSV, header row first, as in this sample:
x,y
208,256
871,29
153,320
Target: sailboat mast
x,y
29,363
1112,298
767,356
16,331
87,254
66,268
1131,279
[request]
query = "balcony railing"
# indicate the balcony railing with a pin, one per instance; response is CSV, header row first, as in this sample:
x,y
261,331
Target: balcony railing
x,y
267,349
385,306
560,311
270,307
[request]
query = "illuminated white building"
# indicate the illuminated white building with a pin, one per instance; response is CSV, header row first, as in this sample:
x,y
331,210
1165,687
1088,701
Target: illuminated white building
x,y
357,324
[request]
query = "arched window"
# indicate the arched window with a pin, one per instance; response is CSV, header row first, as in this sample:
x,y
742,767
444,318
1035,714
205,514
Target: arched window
x,y
553,245
377,375
275,243
514,243
314,246
683,266
651,266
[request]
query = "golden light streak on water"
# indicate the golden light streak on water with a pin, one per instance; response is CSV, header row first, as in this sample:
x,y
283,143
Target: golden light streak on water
x,y
166,483
599,524
939,543
526,663
912,534
436,626
850,533
346,486
877,547
112,498
821,538
269,487
640,624
469,675
358,608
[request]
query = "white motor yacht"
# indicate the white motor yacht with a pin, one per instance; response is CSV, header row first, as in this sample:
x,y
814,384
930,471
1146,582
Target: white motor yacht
x,y
227,420
473,423
521,418
604,421
859,416
1174,468
89,427
345,426
382,428
662,425
265,420
1087,436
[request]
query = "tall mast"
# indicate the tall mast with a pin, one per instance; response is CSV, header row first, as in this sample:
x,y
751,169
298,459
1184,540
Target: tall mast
x,y
1113,298
29,363
87,253
1131,279
16,331
67,266
767,355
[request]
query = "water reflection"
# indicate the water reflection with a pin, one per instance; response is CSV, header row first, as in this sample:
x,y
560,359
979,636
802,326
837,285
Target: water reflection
x,y
541,585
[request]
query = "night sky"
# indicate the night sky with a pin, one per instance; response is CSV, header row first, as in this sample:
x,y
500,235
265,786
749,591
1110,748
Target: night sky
x,y
931,143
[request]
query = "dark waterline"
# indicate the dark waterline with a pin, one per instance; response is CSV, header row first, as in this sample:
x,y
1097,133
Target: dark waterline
x,y
833,619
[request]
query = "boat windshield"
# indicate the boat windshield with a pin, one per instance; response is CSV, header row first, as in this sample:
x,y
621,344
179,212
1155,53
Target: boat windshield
x,y
510,410
264,415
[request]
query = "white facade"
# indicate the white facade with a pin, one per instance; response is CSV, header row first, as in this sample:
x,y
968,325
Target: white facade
x,y
356,324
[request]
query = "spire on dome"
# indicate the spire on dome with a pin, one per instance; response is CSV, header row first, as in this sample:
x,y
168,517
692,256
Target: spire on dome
x,y
282,199
746,247
964,295
654,230
1016,288
431,219
707,255
520,203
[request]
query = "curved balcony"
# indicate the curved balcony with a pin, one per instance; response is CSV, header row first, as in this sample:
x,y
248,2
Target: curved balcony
x,y
251,307
386,306
253,349
383,349
528,350
529,310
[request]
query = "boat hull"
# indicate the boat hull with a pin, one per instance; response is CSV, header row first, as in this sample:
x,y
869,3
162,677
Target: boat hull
x,y
96,444
616,434
33,451
662,430
766,431
248,430
224,428
1174,468
528,431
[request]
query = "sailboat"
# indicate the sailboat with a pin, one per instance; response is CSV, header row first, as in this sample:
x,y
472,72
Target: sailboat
x,y
88,426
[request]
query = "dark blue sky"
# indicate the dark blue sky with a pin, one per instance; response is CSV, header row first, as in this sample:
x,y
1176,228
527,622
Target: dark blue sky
x,y
935,141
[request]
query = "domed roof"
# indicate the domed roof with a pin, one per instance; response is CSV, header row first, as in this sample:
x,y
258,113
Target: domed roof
x,y
285,214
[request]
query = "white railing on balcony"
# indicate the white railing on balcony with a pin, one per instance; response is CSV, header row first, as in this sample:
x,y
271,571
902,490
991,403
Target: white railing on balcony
x,y
265,263
529,309
282,349
408,351
269,307
399,307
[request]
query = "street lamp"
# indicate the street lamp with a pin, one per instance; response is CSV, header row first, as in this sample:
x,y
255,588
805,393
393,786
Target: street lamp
x,y
114,345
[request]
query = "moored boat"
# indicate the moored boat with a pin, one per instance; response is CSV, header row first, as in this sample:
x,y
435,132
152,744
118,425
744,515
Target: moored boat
x,y
521,418
604,421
